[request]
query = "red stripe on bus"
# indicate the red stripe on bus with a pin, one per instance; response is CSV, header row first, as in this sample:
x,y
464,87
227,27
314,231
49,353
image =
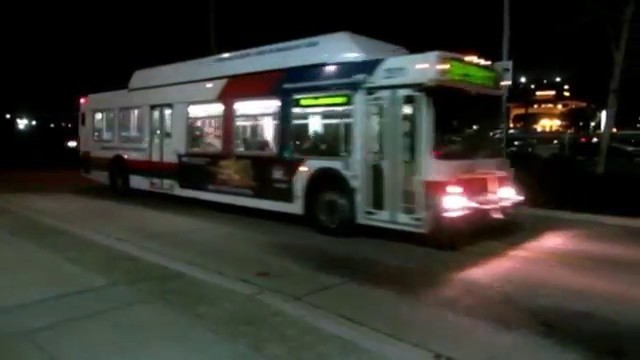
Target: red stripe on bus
x,y
148,165
253,85
140,165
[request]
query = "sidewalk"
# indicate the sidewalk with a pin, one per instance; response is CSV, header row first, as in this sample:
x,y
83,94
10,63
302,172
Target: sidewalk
x,y
352,279
64,298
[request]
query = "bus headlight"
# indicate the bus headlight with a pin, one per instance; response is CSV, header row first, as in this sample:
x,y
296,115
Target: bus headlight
x,y
454,202
509,193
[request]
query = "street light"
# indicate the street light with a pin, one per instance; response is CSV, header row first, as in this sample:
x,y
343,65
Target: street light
x,y
22,124
7,116
558,79
523,80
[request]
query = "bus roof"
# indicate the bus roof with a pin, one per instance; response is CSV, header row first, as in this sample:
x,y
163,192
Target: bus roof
x,y
336,47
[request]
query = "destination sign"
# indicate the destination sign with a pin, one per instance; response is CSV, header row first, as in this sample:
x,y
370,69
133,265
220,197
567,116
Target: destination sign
x,y
462,71
331,100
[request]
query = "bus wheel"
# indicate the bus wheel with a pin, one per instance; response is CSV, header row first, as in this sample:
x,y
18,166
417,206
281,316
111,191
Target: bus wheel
x,y
119,180
333,212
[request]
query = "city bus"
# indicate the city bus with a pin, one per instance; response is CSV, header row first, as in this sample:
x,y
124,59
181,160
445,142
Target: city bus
x,y
340,128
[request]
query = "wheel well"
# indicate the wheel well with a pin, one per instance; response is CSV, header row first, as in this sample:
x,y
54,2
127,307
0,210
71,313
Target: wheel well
x,y
324,179
117,161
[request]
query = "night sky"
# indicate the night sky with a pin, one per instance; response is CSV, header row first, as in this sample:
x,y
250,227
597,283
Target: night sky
x,y
54,54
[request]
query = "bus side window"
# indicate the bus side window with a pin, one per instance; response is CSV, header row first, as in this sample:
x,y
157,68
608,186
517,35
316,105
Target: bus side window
x,y
104,125
204,126
319,129
131,126
256,125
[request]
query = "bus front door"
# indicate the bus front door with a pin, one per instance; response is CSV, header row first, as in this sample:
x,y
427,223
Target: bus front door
x,y
161,147
394,158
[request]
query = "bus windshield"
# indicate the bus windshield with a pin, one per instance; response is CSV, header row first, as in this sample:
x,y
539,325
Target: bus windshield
x,y
467,125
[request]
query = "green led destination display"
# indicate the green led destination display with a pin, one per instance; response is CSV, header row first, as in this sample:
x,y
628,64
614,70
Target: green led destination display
x,y
329,100
462,71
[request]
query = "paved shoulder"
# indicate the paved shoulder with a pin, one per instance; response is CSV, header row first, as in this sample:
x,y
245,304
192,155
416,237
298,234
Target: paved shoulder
x,y
104,304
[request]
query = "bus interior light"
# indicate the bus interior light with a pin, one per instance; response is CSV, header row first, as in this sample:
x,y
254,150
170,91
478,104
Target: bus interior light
x,y
330,68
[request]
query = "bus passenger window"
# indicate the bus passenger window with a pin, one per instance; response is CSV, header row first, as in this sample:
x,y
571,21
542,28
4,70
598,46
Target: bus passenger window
x,y
204,127
321,125
104,125
130,126
256,125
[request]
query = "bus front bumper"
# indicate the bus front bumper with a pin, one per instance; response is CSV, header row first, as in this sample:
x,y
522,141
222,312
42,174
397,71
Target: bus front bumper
x,y
461,211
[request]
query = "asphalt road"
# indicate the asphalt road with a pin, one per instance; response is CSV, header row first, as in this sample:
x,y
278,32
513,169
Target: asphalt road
x,y
546,289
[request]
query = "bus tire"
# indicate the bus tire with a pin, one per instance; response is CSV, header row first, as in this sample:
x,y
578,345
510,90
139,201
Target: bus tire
x,y
119,178
332,212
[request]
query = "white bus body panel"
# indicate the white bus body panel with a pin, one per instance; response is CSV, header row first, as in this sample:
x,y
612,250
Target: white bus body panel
x,y
332,48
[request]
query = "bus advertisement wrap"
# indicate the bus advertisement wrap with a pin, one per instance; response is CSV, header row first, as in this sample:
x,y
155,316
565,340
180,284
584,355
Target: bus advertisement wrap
x,y
260,177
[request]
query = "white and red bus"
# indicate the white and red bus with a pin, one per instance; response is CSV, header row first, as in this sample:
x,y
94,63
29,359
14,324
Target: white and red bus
x,y
342,128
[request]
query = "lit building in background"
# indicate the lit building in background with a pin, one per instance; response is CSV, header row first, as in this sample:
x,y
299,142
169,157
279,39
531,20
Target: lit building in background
x,y
547,106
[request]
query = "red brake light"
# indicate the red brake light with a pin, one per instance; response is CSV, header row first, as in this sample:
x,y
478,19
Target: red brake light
x,y
83,100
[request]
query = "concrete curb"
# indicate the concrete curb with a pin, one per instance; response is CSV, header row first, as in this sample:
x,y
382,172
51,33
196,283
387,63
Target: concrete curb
x,y
361,335
593,218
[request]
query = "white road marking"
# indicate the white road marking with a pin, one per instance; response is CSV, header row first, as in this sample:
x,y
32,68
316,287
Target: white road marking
x,y
365,337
